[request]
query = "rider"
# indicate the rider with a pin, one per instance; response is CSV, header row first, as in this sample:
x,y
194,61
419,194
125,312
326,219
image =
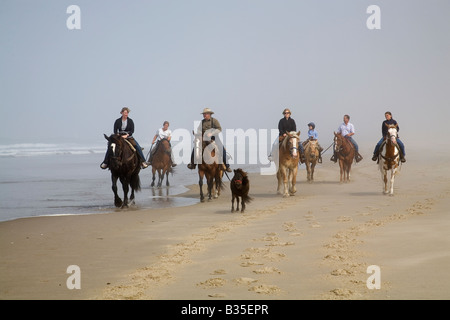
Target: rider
x,y
384,132
162,133
125,127
212,127
286,124
312,135
347,130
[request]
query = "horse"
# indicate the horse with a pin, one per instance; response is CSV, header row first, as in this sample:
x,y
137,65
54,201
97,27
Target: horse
x,y
288,158
162,162
389,159
240,186
345,152
311,157
124,164
209,167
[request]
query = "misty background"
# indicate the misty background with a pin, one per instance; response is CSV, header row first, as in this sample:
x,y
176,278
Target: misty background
x,y
247,60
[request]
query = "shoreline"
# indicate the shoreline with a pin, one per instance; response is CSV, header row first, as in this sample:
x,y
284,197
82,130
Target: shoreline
x,y
314,245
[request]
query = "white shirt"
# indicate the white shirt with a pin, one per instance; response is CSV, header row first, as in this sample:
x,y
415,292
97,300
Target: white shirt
x,y
345,129
161,134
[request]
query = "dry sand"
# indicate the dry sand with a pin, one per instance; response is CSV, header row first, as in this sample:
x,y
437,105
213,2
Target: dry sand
x,y
315,245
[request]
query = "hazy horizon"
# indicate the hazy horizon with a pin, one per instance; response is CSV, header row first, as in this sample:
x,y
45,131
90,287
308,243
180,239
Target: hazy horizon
x,y
246,60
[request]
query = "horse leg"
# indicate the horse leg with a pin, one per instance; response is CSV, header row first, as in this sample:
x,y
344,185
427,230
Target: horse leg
x,y
210,181
313,165
237,203
293,181
117,200
125,188
391,192
385,180
167,178
242,204
279,178
200,184
160,178
153,178
341,168
308,170
285,175
232,202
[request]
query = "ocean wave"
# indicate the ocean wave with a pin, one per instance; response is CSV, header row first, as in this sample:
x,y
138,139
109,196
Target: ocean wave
x,y
41,149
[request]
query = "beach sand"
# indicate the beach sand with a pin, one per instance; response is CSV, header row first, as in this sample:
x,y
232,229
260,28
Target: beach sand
x,y
315,245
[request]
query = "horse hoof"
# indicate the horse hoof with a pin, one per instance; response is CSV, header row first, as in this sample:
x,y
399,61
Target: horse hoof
x,y
286,195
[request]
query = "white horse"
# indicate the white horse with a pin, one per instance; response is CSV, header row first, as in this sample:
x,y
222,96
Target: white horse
x,y
389,160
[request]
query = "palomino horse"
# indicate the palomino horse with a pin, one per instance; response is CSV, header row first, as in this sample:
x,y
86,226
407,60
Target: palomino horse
x,y
345,152
288,157
389,159
209,167
124,164
311,157
162,162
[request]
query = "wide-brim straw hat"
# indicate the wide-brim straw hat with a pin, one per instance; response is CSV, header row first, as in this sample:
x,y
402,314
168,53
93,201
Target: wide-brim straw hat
x,y
207,110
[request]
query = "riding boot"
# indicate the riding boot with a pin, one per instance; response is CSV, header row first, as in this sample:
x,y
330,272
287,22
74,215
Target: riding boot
x,y
333,158
375,156
358,157
320,158
227,168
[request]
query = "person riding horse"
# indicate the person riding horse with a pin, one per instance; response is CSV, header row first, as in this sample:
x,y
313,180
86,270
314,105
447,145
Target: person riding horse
x,y
125,127
313,135
286,124
347,130
162,133
210,126
384,133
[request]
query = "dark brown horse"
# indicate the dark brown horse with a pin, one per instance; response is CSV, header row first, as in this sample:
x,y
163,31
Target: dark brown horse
x,y
288,158
345,152
124,164
209,167
240,186
162,162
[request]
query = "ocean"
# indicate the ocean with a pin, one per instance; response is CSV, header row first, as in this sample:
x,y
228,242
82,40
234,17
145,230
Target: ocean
x,y
39,179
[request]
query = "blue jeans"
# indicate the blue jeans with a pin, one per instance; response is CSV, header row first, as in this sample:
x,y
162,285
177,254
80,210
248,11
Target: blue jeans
x,y
354,143
399,142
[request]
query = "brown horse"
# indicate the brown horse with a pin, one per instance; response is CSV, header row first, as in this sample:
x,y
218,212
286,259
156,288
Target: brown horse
x,y
209,167
389,159
288,158
124,164
240,186
162,162
345,152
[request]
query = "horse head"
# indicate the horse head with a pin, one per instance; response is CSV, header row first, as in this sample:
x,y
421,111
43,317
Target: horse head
x,y
338,141
392,133
115,146
291,142
240,178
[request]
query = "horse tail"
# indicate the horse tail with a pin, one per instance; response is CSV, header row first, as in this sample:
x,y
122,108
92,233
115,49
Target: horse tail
x,y
246,199
135,182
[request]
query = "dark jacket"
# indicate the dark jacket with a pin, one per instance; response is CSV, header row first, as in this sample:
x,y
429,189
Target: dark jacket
x,y
384,128
118,126
286,125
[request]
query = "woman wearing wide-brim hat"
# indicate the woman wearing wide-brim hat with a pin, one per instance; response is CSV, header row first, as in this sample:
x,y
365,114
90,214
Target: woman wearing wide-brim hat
x,y
212,128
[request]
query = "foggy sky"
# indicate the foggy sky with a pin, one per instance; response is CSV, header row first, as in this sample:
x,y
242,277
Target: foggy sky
x,y
247,60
